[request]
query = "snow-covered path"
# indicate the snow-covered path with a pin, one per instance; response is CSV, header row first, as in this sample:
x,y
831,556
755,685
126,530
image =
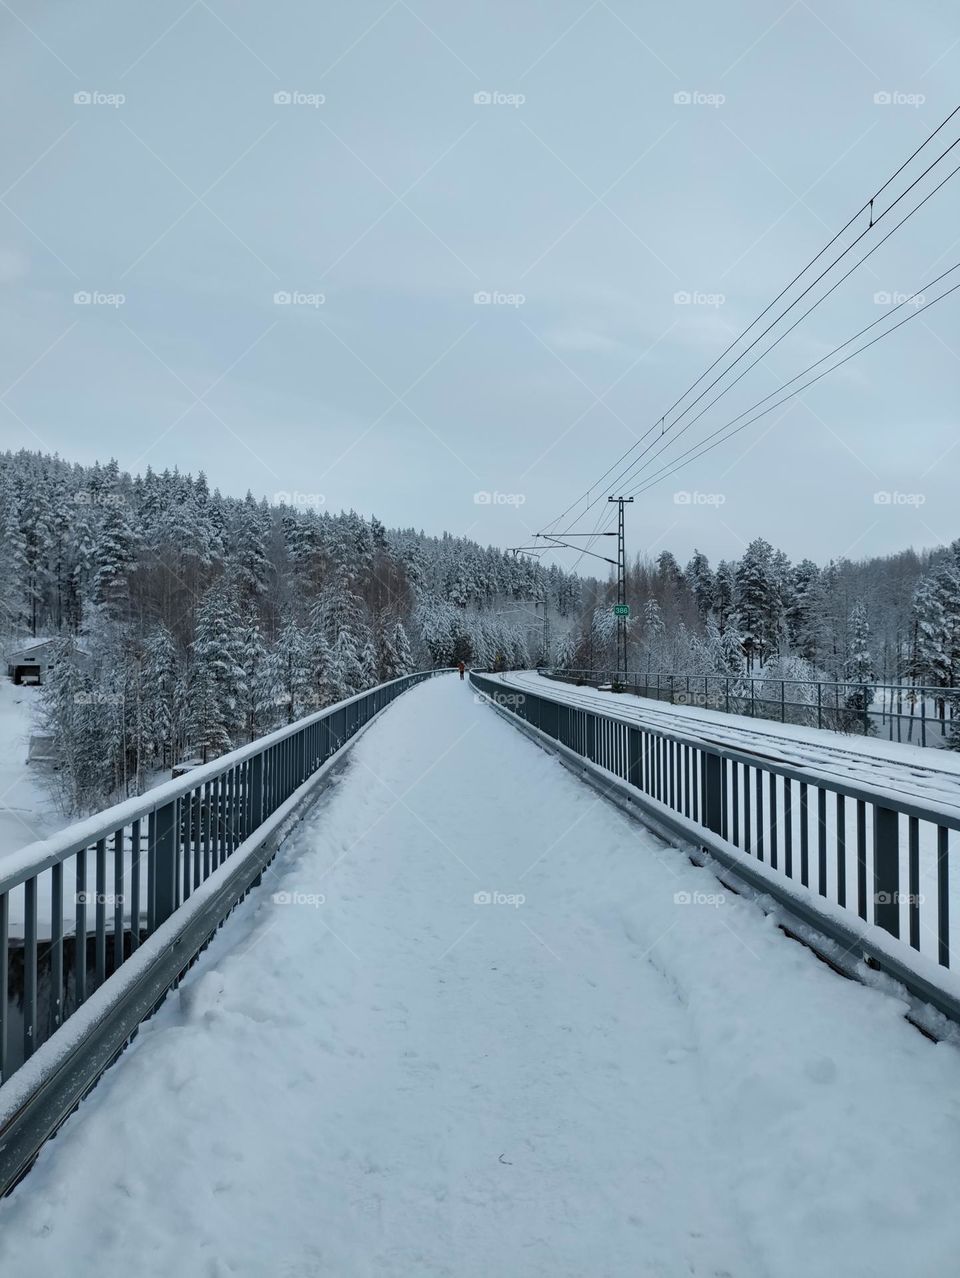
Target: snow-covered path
x,y
599,1080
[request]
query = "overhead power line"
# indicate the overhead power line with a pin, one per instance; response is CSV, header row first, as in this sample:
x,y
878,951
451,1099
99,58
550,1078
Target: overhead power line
x,y
678,463
867,207
633,468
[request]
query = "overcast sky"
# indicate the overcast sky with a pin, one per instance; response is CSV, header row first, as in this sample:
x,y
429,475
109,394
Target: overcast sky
x,y
584,194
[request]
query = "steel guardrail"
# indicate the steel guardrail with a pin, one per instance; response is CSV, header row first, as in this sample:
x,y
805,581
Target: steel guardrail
x,y
833,853
169,866
892,711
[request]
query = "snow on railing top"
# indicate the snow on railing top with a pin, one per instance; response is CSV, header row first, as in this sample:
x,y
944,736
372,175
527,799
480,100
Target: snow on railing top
x,y
922,807
36,857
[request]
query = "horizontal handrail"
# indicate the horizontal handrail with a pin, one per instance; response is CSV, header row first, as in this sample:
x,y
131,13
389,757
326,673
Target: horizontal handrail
x,y
134,865
929,689
812,772
852,706
43,853
830,849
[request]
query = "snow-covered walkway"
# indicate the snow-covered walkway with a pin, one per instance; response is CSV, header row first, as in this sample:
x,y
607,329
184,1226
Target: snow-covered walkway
x,y
377,1073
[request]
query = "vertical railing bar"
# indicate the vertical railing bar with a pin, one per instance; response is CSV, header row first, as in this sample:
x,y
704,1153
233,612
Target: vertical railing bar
x,y
229,810
135,884
101,911
788,827
822,840
207,819
151,872
184,834
119,895
862,858
196,822
759,787
943,896
56,948
80,933
804,836
913,878
747,812
29,967
4,980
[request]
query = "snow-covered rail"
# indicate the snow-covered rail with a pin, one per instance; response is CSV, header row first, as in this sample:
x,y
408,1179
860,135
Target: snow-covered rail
x,y
155,876
906,713
867,868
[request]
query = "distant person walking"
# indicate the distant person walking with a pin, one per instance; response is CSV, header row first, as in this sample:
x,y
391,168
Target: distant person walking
x,y
461,669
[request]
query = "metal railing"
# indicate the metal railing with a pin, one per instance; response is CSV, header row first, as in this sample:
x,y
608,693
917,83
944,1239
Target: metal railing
x,y
909,713
861,865
75,908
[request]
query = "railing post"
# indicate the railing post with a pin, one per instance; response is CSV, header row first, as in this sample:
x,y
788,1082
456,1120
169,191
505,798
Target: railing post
x,y
712,807
634,757
886,870
256,791
165,862
4,978
591,726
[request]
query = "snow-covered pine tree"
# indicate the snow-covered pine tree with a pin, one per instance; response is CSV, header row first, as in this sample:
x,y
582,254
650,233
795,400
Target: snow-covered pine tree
x,y
114,555
701,582
256,691
161,687
206,724
292,670
753,608
803,614
249,562
858,667
13,566
217,649
724,593
654,633
402,652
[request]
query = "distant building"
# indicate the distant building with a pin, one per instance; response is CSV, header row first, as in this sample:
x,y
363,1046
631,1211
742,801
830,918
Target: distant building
x,y
31,661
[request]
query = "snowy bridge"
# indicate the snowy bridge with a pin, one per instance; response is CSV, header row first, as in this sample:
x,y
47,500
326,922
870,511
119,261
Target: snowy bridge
x,y
458,1014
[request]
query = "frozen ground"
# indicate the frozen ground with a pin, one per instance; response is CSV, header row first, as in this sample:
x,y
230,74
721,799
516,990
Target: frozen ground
x,y
27,812
373,1074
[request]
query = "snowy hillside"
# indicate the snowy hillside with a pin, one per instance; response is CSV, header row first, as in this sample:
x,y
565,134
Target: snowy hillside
x,y
26,808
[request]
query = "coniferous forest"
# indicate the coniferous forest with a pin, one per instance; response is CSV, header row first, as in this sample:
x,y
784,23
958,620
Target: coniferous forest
x,y
893,619
189,623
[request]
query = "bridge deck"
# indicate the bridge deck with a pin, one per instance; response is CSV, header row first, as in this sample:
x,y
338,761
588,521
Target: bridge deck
x,y
600,1079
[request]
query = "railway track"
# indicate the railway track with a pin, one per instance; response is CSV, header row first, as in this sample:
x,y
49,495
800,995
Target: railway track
x,y
907,778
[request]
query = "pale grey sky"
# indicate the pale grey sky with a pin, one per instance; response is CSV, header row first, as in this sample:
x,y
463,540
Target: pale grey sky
x,y
583,187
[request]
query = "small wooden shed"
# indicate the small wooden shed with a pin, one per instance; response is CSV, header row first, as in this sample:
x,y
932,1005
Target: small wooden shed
x,y
30,661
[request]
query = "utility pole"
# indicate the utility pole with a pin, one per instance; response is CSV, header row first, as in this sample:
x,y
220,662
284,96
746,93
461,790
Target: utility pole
x,y
546,628
622,608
